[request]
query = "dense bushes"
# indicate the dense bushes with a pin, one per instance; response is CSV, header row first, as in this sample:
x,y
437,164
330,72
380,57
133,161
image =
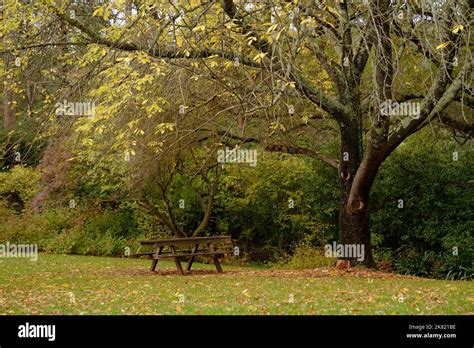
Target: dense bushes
x,y
104,233
305,256
66,231
23,141
82,230
431,235
275,205
17,187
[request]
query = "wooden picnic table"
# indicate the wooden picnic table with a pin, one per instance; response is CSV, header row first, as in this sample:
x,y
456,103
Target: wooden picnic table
x,y
186,248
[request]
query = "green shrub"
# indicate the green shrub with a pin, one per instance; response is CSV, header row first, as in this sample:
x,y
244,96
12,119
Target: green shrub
x,y
36,228
24,140
438,212
119,223
73,231
277,204
414,263
457,259
305,256
383,259
77,241
68,242
18,186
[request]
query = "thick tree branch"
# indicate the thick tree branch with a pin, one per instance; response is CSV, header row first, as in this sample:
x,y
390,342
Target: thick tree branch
x,y
434,103
210,204
466,128
161,217
44,44
373,158
326,102
298,150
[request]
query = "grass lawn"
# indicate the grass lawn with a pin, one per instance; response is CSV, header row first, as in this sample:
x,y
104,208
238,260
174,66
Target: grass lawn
x,y
63,284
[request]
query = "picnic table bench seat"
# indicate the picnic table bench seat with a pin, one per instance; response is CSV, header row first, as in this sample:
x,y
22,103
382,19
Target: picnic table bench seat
x,y
186,248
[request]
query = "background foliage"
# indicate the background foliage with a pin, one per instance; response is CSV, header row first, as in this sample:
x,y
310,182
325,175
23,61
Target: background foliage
x,y
253,206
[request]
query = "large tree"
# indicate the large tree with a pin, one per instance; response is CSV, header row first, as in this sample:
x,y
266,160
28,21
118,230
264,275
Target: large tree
x,y
345,61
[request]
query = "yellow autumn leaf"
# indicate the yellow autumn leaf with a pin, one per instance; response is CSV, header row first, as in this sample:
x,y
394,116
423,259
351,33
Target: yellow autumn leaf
x,y
443,45
457,28
199,28
258,58
272,28
107,14
251,39
99,11
331,10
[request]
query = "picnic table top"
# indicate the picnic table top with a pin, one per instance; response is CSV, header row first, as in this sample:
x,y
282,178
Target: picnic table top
x,y
174,241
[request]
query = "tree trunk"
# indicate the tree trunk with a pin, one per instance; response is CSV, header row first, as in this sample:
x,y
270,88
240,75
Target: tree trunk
x,y
354,228
9,114
354,221
9,110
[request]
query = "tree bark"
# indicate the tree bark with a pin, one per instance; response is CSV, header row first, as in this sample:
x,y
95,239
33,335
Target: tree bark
x,y
354,227
9,110
9,113
359,176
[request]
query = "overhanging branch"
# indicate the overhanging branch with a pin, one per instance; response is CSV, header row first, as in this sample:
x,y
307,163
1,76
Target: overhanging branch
x,y
298,150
